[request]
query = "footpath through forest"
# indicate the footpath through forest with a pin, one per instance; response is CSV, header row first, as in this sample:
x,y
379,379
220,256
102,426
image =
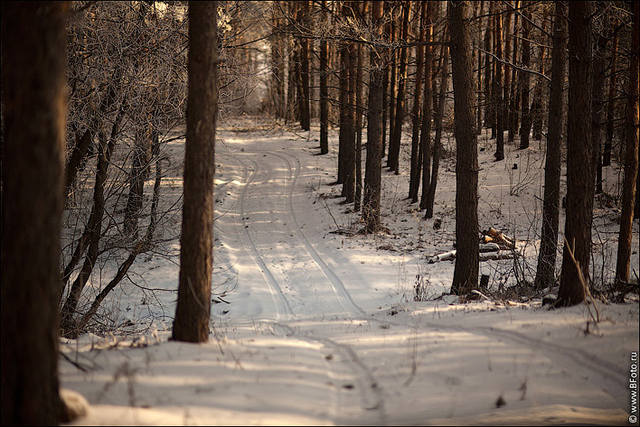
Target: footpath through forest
x,y
313,324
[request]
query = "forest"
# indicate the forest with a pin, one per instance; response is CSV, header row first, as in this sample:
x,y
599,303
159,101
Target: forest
x,y
320,212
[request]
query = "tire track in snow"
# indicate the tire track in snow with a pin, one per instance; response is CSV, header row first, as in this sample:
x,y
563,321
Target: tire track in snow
x,y
336,284
274,286
370,391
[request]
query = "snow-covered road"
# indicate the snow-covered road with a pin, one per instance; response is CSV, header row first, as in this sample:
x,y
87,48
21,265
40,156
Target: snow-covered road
x,y
319,329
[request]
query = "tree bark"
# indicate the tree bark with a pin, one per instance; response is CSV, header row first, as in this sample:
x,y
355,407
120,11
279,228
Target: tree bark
x,y
498,89
414,177
525,122
579,157
597,96
305,115
33,121
437,142
631,156
606,155
465,276
545,273
324,93
191,322
396,135
427,113
371,200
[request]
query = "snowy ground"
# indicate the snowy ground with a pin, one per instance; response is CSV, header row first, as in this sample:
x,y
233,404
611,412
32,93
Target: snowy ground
x,y
322,328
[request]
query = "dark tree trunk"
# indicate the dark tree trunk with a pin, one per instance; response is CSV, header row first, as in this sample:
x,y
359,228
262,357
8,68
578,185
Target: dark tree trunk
x,y
344,132
631,156
479,78
488,101
371,200
536,104
525,122
277,63
305,115
33,125
507,73
427,104
512,116
414,177
191,322
606,155
437,142
497,90
392,82
348,186
362,10
396,135
137,177
545,274
597,96
579,158
465,276
324,95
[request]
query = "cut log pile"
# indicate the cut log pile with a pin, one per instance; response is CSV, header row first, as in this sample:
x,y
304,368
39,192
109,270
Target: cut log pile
x,y
493,245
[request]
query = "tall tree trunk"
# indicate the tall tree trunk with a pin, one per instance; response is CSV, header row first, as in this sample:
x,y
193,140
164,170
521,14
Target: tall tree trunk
x,y
631,156
514,96
362,10
488,101
344,111
324,93
507,72
348,186
497,90
396,135
425,132
465,276
579,158
479,78
536,104
33,125
392,80
191,322
437,142
305,115
371,200
525,122
545,273
414,177
597,97
608,143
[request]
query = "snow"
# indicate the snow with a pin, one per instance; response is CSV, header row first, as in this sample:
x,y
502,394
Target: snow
x,y
314,327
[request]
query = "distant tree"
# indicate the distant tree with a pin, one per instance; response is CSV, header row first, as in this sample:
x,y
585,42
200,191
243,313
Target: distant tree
x,y
33,130
580,173
631,172
196,242
396,134
427,113
498,88
305,115
465,276
324,91
414,180
545,273
437,141
525,121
